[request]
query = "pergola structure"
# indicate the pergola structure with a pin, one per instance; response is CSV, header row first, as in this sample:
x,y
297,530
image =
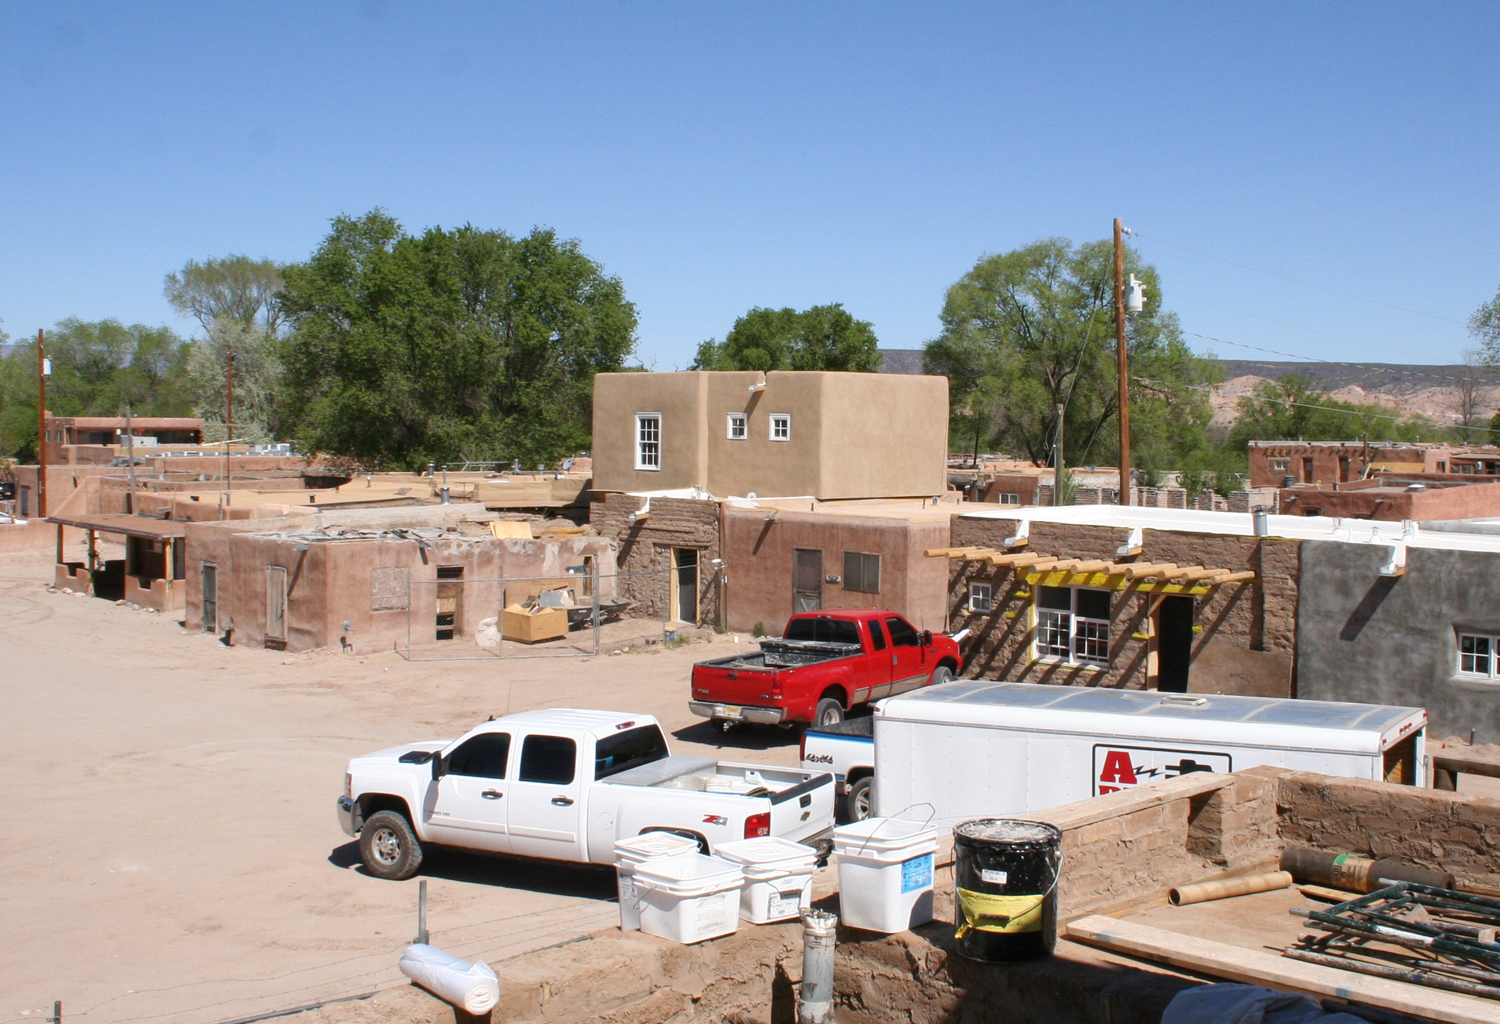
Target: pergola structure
x,y
149,575
1102,573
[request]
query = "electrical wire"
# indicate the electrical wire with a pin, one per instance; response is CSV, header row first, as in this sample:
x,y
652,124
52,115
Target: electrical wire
x,y
1331,362
1293,280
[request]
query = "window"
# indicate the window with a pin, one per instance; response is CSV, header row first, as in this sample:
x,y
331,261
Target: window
x,y
824,630
902,633
861,572
626,750
1279,465
877,636
1072,625
1476,654
739,427
548,759
981,597
1009,499
781,426
648,440
483,756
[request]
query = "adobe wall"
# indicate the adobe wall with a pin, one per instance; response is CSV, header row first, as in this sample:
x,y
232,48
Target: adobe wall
x,y
760,557
1255,619
1469,501
644,549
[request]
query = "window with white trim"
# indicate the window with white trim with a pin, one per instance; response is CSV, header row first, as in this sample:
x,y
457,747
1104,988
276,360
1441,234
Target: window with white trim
x,y
648,440
1477,655
739,427
1072,625
981,597
1280,465
1009,499
781,426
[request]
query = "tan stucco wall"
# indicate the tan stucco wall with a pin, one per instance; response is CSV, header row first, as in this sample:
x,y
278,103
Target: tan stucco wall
x,y
853,435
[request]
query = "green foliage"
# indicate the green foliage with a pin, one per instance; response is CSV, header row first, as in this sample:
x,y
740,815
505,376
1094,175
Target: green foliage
x,y
231,287
819,338
404,349
1029,330
257,373
759,629
1296,407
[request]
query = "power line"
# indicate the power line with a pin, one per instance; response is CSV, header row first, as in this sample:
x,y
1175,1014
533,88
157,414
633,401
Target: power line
x,y
1330,362
1299,327
1308,284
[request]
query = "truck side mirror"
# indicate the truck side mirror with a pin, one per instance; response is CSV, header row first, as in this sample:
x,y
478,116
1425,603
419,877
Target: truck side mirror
x,y
439,767
926,638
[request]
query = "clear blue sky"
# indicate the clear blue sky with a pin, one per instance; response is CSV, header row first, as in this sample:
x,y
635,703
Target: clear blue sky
x,y
721,156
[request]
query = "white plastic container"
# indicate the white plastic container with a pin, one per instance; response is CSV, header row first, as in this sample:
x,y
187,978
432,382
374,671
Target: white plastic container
x,y
630,854
885,873
689,898
778,877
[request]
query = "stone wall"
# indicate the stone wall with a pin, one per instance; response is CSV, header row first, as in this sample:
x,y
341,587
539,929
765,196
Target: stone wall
x,y
645,550
1257,617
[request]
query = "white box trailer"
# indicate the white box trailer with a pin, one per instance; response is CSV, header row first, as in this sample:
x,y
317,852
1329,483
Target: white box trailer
x,y
978,749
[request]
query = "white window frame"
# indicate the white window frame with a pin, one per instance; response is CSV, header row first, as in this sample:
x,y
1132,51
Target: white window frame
x,y
981,597
1067,638
737,426
1009,499
1280,465
1491,654
781,419
647,458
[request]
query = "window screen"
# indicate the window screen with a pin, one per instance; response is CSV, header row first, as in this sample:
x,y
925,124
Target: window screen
x,y
548,759
861,572
483,756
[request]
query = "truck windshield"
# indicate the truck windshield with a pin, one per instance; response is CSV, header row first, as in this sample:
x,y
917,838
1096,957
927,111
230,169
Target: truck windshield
x,y
822,628
629,749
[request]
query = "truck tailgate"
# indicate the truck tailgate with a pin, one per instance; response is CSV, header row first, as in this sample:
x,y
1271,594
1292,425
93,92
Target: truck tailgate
x,y
805,810
730,684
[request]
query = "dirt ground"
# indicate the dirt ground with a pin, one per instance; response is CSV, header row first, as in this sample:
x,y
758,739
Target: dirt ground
x,y
172,853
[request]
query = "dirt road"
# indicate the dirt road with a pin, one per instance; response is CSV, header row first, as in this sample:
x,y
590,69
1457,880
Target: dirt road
x,y
172,853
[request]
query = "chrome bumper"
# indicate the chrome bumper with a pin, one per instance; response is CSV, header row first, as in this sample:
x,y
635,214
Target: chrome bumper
x,y
736,713
347,812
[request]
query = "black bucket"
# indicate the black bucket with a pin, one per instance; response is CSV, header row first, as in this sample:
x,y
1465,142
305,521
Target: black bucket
x,y
1005,873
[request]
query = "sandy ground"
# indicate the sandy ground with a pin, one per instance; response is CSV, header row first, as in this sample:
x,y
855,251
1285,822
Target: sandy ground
x,y
172,853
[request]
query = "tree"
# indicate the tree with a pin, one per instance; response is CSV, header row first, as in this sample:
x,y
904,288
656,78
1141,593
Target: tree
x,y
1295,407
230,287
1468,394
1484,325
819,338
1030,330
257,372
453,344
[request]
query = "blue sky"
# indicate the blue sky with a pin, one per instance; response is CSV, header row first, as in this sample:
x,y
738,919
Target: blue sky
x,y
722,156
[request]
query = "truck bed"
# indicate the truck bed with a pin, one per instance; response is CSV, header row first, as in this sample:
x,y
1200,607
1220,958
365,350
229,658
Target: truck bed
x,y
704,775
779,654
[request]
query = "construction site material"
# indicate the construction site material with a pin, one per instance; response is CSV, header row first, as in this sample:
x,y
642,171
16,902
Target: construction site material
x,y
815,1000
1005,878
1355,874
885,873
1442,938
1233,1002
1221,960
532,625
630,854
472,987
778,877
1446,768
1243,885
689,898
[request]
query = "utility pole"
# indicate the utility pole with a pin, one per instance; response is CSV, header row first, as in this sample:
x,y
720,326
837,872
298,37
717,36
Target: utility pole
x,y
1058,469
1123,364
130,457
228,428
41,429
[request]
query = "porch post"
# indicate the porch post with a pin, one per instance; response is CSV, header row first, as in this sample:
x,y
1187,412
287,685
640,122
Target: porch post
x,y
59,543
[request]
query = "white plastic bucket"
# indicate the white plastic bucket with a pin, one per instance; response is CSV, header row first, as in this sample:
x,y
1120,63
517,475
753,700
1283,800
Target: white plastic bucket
x,y
635,851
689,898
885,873
778,877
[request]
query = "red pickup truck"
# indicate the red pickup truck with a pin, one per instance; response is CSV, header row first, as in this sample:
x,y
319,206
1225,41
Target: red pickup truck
x,y
825,663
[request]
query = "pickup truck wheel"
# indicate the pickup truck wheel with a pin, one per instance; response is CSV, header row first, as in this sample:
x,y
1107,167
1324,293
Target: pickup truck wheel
x,y
940,675
857,805
828,712
389,847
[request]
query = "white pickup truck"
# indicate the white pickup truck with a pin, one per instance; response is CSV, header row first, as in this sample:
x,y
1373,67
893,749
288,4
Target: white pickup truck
x,y
565,784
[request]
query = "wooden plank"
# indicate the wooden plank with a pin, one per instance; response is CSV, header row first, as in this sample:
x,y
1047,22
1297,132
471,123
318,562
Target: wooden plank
x,y
1137,798
1136,572
1469,765
1197,573
1234,577
1255,967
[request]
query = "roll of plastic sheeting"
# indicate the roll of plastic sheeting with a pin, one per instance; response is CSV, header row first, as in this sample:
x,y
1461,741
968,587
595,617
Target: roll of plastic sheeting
x,y
472,987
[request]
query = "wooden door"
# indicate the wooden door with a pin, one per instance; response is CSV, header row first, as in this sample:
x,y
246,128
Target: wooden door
x,y
807,580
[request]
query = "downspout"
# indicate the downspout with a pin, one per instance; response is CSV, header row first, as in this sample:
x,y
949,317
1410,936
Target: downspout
x,y
723,578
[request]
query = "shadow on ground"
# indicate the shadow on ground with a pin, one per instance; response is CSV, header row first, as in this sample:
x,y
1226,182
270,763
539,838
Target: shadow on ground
x,y
744,737
586,881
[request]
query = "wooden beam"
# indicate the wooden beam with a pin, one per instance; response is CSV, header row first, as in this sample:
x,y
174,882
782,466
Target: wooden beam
x,y
1254,967
1199,573
1142,570
1234,577
1182,572
941,552
1035,563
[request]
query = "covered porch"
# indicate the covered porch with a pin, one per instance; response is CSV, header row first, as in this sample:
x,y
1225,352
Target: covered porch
x,y
150,574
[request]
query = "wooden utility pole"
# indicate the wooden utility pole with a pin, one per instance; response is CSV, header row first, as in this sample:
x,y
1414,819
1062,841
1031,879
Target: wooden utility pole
x,y
41,429
1059,470
130,457
1123,360
228,428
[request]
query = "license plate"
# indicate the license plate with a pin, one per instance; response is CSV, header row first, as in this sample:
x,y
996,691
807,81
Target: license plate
x,y
733,710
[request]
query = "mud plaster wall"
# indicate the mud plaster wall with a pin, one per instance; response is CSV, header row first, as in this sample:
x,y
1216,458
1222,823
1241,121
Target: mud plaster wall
x,y
1257,619
644,550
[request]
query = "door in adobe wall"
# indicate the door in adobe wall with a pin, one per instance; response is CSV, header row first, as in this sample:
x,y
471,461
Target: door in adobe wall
x,y
807,580
1174,643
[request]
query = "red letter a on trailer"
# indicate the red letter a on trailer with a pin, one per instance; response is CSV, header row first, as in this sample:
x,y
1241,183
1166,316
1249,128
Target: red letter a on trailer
x,y
1117,768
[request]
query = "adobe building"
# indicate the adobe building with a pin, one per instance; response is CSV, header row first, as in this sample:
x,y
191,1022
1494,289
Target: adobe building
x,y
61,432
1396,497
823,435
1331,462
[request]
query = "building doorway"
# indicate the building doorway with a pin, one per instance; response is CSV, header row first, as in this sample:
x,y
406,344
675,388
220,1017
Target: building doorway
x,y
807,580
1174,643
684,585
276,607
210,598
450,601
